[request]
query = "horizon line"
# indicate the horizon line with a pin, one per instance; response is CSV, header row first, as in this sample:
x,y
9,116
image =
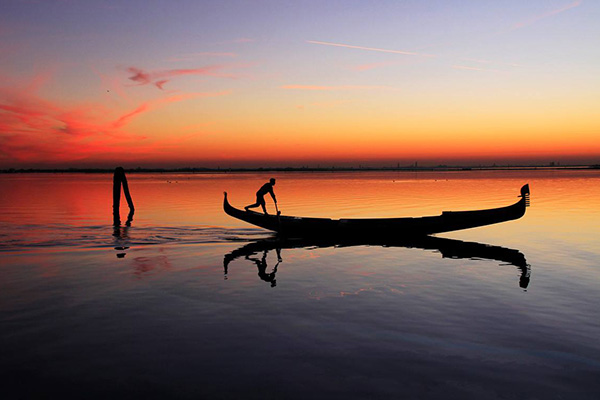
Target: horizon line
x,y
441,167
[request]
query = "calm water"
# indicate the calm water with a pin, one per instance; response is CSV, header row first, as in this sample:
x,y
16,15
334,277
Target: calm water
x,y
190,303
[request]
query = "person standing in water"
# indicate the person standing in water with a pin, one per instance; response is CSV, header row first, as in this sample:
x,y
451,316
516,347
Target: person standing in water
x,y
119,180
260,196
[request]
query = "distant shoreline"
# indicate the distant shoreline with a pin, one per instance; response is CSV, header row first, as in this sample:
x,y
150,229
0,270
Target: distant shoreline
x,y
440,168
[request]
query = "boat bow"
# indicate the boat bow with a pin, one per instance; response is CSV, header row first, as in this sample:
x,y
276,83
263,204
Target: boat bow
x,y
381,227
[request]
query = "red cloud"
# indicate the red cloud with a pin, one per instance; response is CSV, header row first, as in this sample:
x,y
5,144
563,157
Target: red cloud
x,y
160,78
139,76
35,131
159,84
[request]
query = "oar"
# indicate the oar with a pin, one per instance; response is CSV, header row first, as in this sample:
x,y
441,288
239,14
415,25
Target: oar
x,y
277,209
278,217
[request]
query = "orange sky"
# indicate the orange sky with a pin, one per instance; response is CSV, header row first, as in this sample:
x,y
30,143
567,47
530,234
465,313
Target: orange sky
x,y
85,85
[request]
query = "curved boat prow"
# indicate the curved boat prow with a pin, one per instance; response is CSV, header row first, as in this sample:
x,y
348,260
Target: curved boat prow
x,y
270,222
525,193
384,227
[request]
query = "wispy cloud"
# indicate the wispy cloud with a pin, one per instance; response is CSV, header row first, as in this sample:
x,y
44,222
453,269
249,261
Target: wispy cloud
x,y
547,14
325,104
151,105
488,62
160,78
477,60
370,66
329,88
243,40
240,40
160,84
408,53
34,129
203,54
469,68
384,64
112,84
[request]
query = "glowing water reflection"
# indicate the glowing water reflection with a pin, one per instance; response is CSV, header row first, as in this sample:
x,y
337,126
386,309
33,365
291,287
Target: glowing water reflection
x,y
504,311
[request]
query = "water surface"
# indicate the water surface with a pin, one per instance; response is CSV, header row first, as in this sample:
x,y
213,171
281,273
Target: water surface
x,y
190,303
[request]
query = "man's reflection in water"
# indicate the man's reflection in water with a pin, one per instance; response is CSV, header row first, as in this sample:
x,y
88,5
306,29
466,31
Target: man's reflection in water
x,y
261,263
448,248
262,267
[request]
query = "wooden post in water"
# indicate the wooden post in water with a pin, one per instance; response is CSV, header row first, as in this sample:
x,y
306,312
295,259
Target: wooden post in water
x,y
118,180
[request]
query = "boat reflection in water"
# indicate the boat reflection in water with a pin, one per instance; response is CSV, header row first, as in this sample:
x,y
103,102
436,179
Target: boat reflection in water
x,y
449,248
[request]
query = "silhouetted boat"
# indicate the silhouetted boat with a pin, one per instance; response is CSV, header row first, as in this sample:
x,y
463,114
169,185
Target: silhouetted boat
x,y
382,227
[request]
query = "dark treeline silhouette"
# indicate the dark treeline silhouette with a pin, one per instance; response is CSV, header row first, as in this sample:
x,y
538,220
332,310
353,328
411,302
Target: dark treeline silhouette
x,y
410,168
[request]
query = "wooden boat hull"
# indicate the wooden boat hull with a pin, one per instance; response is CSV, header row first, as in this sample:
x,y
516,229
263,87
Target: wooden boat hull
x,y
290,226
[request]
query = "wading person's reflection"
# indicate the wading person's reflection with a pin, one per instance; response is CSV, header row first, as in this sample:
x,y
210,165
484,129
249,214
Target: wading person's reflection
x,y
262,267
121,233
119,179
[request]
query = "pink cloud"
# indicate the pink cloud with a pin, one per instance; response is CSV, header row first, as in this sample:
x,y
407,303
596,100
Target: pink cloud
x,y
112,84
366,67
403,52
241,40
396,62
327,88
325,104
477,60
160,84
139,76
193,56
468,68
151,105
124,119
160,78
487,62
36,130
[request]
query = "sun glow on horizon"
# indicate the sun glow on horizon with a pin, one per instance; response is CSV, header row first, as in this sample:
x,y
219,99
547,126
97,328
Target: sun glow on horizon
x,y
431,91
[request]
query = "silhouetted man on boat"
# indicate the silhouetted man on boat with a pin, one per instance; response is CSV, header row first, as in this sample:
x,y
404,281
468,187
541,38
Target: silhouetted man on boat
x,y
260,196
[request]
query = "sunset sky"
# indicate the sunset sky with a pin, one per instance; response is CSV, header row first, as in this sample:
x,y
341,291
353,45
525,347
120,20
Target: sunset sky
x,y
293,83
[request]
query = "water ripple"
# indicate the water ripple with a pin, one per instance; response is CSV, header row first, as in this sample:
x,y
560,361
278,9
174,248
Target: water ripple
x,y
99,236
